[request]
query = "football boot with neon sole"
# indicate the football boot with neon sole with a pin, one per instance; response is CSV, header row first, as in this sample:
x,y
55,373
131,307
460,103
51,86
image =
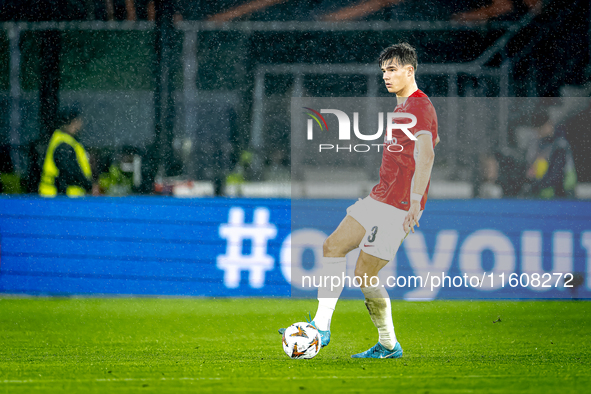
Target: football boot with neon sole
x,y
324,335
379,351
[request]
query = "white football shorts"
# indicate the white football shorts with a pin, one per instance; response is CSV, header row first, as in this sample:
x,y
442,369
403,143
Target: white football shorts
x,y
383,227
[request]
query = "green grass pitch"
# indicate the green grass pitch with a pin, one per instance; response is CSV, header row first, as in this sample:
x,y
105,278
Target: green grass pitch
x,y
119,345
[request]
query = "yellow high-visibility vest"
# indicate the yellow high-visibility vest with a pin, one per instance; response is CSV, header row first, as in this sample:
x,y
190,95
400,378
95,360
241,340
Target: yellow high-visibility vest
x,y
47,187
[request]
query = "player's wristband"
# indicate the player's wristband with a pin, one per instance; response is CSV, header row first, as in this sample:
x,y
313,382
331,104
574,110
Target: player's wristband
x,y
416,196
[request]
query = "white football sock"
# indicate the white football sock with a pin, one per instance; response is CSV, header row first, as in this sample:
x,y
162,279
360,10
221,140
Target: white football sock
x,y
378,304
327,297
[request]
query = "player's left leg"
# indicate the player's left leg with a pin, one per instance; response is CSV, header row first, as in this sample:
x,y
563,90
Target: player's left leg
x,y
378,304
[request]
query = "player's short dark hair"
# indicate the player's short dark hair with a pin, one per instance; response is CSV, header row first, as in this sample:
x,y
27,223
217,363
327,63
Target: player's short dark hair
x,y
403,53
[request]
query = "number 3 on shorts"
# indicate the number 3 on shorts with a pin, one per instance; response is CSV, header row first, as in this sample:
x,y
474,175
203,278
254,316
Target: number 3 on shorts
x,y
372,236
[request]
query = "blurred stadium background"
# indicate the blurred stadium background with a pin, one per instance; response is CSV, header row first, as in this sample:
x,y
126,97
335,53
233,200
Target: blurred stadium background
x,y
192,98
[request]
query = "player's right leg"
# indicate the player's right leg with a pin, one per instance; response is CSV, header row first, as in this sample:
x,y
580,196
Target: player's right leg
x,y
344,239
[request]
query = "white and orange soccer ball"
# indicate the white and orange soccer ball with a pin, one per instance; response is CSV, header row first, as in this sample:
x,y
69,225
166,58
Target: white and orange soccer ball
x,y
301,340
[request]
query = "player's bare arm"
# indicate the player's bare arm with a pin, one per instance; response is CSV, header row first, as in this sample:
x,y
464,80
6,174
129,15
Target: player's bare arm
x,y
425,159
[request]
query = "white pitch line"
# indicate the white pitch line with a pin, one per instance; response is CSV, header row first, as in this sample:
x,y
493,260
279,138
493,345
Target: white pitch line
x,y
266,378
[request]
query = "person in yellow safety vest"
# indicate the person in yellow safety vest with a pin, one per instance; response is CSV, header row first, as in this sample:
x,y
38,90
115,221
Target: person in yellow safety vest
x,y
66,169
551,164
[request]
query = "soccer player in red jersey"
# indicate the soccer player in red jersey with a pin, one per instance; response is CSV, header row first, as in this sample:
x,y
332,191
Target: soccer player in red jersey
x,y
379,223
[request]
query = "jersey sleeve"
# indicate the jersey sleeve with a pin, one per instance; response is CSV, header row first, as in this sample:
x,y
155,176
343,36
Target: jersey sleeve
x,y
422,109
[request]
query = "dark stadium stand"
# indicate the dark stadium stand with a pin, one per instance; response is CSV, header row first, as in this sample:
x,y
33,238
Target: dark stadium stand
x,y
473,48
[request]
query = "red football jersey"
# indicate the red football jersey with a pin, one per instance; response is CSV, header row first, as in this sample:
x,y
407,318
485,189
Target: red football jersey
x,y
399,155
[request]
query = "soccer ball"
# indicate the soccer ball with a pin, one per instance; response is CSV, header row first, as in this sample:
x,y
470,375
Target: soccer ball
x,y
301,340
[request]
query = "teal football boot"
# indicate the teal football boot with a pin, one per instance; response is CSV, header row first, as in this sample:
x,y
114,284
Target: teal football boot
x,y
324,336
379,351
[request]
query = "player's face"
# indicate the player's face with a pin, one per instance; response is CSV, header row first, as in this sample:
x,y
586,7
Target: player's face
x,y
396,76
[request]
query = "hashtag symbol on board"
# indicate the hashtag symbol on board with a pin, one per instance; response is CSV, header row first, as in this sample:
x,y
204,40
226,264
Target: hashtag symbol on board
x,y
235,232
